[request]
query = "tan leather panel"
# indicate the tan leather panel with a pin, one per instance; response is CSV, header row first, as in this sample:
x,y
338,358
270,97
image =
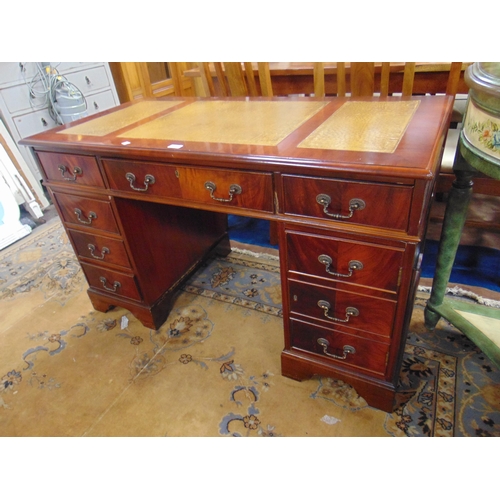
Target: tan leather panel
x,y
363,126
120,119
263,123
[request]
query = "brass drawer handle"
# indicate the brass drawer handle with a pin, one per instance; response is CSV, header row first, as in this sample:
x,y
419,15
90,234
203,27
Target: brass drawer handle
x,y
233,189
76,171
104,251
92,216
148,179
354,265
347,349
116,284
349,312
354,204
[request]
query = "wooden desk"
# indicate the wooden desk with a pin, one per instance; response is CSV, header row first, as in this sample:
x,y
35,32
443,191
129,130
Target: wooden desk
x,y
144,192
297,77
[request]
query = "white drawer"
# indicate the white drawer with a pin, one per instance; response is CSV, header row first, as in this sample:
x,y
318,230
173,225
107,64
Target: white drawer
x,y
63,67
100,102
33,123
17,99
89,80
17,71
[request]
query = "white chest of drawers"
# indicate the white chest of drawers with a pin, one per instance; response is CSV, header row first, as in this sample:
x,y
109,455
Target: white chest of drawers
x,y
25,115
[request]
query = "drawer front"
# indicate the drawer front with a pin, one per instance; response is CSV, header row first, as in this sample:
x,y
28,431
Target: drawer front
x,y
18,99
149,179
34,123
339,347
89,80
17,71
112,282
253,190
74,169
338,307
100,102
344,260
87,212
99,248
228,187
65,67
380,205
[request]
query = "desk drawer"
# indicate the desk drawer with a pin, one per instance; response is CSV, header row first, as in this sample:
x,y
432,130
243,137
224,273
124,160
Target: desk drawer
x,y
99,248
339,259
379,205
147,179
228,187
87,212
334,345
254,191
112,282
338,307
74,169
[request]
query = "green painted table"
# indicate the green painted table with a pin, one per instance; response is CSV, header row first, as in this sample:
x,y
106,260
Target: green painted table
x,y
479,151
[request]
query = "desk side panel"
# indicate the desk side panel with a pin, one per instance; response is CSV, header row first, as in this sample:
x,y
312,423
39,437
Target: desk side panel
x,y
167,242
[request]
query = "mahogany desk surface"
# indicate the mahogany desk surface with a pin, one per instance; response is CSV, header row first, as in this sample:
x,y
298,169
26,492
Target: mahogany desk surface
x,y
366,135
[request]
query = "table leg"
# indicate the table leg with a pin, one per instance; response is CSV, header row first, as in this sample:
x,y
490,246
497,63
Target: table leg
x,y
454,220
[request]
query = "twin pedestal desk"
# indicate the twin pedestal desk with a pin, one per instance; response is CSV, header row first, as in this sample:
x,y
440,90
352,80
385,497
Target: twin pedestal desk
x,y
144,191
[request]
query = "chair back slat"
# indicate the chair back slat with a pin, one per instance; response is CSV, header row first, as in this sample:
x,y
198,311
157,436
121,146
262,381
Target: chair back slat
x,y
252,87
236,79
206,79
362,79
341,80
221,78
319,79
408,79
454,78
266,85
385,73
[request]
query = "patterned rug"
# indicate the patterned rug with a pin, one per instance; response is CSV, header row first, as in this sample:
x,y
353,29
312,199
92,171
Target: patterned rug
x,y
213,368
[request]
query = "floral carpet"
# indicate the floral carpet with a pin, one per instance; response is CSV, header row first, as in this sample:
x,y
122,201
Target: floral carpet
x,y
212,369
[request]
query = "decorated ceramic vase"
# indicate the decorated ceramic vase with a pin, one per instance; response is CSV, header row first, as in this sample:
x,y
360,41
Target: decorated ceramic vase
x,y
480,138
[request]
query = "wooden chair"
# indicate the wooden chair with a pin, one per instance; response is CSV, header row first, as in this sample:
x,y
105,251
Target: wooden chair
x,y
367,78
236,79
